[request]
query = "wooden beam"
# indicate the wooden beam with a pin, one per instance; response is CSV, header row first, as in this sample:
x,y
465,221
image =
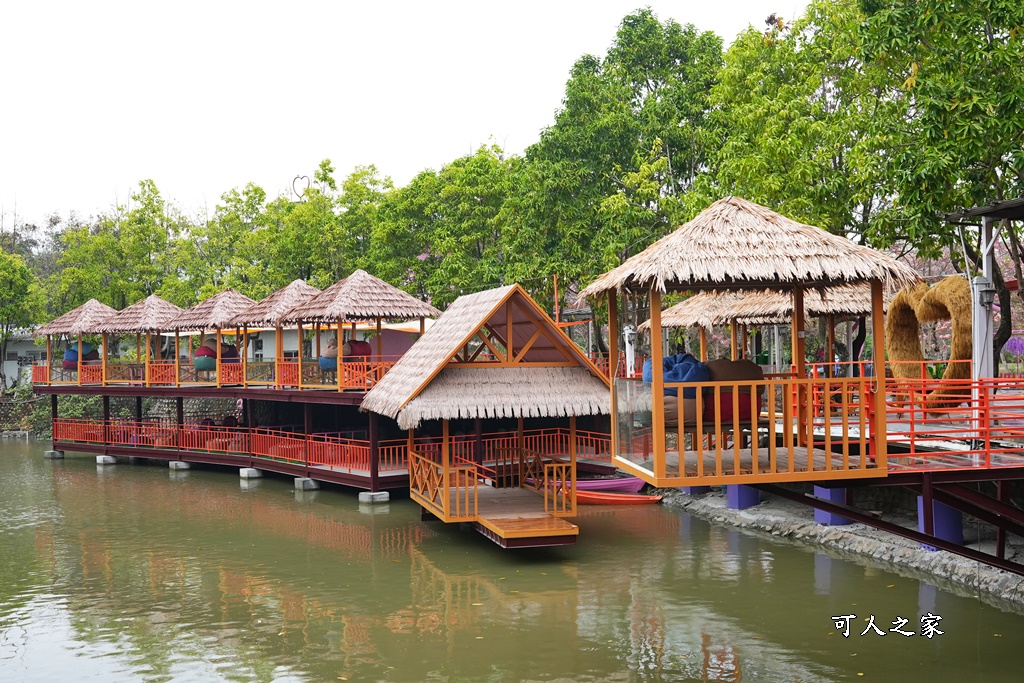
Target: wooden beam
x,y
658,389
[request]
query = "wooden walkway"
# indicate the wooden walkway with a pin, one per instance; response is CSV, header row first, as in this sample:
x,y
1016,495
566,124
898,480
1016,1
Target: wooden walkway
x,y
514,517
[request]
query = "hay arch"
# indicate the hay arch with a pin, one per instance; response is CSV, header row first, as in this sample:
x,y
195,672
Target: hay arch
x,y
949,299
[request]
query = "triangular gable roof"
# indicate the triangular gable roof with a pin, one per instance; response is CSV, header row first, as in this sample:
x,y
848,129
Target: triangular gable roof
x,y
268,312
360,296
83,320
537,345
152,314
216,312
735,243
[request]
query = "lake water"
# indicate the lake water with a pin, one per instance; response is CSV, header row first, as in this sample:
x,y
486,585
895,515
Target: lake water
x,y
138,573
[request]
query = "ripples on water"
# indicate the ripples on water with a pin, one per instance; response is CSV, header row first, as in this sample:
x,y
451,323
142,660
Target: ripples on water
x,y
137,574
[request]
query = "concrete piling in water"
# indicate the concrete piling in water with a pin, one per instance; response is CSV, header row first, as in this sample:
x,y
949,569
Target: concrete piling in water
x,y
106,460
374,497
306,484
179,465
53,455
250,473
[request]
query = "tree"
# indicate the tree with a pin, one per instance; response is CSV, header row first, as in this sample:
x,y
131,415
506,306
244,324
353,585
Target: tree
x,y
19,302
801,112
961,144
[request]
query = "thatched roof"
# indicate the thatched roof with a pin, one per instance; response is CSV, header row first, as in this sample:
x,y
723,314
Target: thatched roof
x,y
360,296
507,392
268,312
152,314
765,307
217,312
82,320
423,386
735,243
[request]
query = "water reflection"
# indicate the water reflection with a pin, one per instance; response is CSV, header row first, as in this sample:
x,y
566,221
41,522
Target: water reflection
x,y
134,576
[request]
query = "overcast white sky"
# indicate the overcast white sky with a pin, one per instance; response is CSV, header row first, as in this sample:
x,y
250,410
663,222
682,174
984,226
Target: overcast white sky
x,y
206,96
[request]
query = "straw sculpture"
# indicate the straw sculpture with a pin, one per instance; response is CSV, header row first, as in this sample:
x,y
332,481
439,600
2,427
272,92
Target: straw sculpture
x,y
427,358
949,299
152,314
217,312
360,296
83,320
268,312
737,243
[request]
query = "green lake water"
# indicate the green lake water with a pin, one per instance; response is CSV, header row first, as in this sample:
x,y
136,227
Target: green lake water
x,y
138,573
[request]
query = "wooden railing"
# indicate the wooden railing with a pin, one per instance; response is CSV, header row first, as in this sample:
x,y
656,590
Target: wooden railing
x,y
560,489
336,451
427,484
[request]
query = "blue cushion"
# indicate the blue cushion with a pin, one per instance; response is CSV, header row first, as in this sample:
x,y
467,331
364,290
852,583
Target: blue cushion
x,y
682,367
328,363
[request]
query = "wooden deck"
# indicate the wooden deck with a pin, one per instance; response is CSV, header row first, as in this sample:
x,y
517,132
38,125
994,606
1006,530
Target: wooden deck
x,y
515,518
731,466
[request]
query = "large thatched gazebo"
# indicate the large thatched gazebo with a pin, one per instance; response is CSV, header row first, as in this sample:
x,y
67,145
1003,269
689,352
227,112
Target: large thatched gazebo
x,y
267,314
492,355
217,313
739,245
147,317
358,297
75,323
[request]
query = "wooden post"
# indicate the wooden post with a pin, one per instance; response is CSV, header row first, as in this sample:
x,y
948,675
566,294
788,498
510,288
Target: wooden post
x,y
49,358
830,344
138,409
217,370
177,359
613,357
145,368
732,338
423,325
103,358
53,406
79,359
744,341
106,410
317,328
138,352
374,453
445,465
278,354
703,345
245,356
572,459
658,390
179,404
307,418
520,440
301,344
799,364
878,363
478,442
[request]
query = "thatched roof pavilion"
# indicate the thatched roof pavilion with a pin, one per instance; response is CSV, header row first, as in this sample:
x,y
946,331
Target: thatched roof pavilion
x,y
735,243
152,314
83,320
712,308
217,312
268,312
547,375
360,296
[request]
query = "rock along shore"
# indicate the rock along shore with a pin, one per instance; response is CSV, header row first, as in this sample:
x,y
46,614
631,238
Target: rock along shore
x,y
788,520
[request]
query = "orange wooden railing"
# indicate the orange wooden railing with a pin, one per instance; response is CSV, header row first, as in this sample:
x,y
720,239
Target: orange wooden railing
x,y
603,364
334,451
276,445
161,372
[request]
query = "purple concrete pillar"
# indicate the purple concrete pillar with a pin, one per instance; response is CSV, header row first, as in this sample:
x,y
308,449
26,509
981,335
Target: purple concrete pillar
x,y
695,490
833,496
948,522
741,497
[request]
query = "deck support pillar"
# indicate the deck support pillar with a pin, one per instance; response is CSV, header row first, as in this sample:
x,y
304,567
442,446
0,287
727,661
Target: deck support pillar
x,y
306,484
53,455
947,522
53,406
250,473
374,455
374,497
180,408
836,495
106,410
179,465
695,490
741,496
138,409
106,460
